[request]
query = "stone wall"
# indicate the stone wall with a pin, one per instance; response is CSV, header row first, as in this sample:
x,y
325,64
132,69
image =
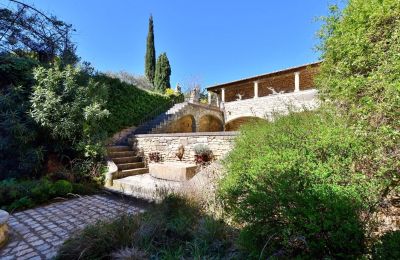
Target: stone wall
x,y
265,107
167,145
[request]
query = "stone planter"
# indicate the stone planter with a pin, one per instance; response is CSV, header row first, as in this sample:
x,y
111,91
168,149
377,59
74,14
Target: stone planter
x,y
3,227
172,171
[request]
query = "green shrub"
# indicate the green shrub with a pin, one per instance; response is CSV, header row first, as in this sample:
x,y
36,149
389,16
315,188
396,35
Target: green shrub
x,y
22,194
175,228
84,189
22,203
61,188
388,247
296,188
361,75
70,106
41,192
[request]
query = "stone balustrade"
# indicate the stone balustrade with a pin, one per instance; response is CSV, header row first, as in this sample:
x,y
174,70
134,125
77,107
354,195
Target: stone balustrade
x,y
266,107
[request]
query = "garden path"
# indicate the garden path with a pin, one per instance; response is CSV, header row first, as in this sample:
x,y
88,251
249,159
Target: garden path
x,y
38,233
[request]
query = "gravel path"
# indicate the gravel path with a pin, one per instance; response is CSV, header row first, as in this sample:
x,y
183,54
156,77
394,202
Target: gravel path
x,y
38,233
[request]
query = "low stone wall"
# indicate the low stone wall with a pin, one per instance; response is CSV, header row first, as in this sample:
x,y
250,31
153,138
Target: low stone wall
x,y
167,145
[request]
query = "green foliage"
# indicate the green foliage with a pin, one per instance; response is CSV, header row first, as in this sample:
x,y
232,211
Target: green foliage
x,y
388,247
295,185
361,74
162,73
202,149
150,59
174,229
71,107
22,194
170,92
61,188
129,105
86,170
20,149
16,71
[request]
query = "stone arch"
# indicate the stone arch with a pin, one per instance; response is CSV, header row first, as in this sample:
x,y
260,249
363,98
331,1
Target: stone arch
x,y
185,124
210,123
235,124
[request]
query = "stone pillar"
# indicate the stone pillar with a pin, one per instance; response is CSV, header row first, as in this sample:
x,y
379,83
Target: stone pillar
x,y
222,95
3,227
209,93
255,89
296,81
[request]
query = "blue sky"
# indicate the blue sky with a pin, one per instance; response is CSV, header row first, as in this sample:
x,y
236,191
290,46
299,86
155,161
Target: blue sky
x,y
206,41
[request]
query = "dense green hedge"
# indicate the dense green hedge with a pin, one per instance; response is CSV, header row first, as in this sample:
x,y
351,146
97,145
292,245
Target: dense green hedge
x,y
295,186
128,105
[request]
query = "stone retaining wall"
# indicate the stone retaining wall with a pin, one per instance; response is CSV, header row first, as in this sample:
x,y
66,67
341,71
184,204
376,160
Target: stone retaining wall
x,y
167,145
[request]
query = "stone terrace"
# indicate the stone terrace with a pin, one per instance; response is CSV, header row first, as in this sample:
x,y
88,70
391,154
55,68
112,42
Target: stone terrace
x,y
38,233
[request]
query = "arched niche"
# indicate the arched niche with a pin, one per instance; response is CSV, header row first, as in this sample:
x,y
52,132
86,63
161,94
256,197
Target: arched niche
x,y
235,124
210,123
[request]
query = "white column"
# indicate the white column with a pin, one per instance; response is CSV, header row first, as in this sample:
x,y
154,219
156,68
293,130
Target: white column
x,y
255,89
222,95
296,81
209,97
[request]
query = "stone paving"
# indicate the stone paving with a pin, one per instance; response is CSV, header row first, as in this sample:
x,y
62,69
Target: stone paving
x,y
38,233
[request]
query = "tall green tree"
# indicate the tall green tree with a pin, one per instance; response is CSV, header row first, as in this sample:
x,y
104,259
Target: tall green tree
x,y
150,60
162,74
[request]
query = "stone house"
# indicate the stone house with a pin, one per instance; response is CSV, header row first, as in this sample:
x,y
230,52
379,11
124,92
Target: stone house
x,y
263,95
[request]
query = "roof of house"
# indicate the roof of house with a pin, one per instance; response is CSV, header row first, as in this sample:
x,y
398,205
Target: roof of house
x,y
262,75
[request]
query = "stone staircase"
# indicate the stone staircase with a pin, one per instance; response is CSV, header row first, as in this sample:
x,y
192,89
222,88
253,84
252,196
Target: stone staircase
x,y
126,160
133,177
154,126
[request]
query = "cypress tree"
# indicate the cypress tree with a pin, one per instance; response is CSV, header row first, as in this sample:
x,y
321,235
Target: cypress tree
x,y
150,60
162,74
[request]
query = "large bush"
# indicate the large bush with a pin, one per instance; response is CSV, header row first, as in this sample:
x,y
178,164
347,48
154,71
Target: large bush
x,y
295,187
361,75
71,106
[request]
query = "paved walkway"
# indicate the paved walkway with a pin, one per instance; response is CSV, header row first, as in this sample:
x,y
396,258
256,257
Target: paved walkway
x,y
38,233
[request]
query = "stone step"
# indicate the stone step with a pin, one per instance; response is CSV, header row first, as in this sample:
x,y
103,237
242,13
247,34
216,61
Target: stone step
x,y
118,148
121,154
129,159
131,172
128,166
145,186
